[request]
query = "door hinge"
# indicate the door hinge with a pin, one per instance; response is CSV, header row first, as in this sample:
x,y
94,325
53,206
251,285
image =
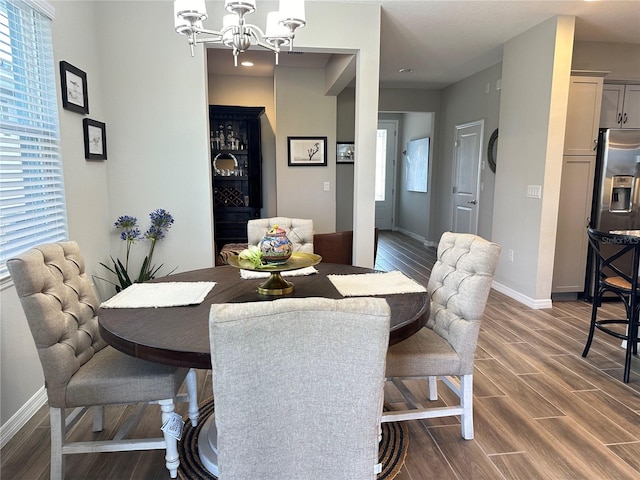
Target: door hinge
x,y
455,189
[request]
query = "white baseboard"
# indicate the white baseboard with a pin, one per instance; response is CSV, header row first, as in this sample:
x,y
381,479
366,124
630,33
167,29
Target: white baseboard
x,y
415,236
528,301
22,416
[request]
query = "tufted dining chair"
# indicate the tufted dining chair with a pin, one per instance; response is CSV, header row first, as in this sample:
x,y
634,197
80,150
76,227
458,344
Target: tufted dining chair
x,y
298,385
299,231
80,369
459,286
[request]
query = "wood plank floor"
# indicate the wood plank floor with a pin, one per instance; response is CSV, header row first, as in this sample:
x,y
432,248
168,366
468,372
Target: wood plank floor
x,y
541,410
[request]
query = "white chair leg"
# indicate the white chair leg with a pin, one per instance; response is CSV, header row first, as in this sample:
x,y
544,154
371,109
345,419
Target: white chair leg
x,y
172,460
466,401
58,431
98,418
433,388
192,392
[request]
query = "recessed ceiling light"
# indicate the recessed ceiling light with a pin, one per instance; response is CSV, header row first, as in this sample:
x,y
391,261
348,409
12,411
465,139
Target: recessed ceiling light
x,y
405,70
246,64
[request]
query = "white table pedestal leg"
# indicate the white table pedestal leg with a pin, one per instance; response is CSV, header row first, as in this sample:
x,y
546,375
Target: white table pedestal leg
x,y
208,445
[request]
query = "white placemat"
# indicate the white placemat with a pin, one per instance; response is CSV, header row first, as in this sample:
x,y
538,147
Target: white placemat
x,y
168,294
367,284
251,274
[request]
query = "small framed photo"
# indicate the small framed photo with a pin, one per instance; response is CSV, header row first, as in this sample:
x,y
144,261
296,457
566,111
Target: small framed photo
x,y
307,151
95,140
345,152
74,88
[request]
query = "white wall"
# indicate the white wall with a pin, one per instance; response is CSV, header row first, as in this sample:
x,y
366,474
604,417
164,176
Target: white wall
x,y
413,209
464,102
300,189
156,110
390,101
535,84
345,133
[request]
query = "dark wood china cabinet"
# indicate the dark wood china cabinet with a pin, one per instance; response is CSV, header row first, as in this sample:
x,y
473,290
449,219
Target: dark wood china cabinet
x,y
236,170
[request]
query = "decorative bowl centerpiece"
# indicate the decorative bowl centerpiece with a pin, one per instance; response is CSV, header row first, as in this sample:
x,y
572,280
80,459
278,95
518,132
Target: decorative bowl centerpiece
x,y
276,248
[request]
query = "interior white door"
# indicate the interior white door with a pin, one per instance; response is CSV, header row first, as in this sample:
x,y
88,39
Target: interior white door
x,y
466,178
386,148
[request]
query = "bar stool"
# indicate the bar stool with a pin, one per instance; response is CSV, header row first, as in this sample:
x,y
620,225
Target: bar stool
x,y
613,255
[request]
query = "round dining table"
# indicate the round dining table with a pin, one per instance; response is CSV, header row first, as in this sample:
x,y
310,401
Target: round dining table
x,y
179,335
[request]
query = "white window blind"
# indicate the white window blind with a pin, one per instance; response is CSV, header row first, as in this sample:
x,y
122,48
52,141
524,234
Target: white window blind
x,y
32,202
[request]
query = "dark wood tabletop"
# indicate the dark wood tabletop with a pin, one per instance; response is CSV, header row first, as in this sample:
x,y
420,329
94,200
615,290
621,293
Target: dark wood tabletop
x,y
180,335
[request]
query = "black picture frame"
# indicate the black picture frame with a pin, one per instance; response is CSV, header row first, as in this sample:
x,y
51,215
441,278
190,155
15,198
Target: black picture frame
x,y
307,151
95,139
74,88
345,152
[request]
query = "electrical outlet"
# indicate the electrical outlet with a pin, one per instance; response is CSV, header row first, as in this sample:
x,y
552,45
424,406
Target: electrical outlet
x,y
510,255
326,186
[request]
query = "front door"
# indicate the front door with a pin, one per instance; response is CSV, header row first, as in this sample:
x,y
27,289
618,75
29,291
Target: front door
x,y
466,178
386,148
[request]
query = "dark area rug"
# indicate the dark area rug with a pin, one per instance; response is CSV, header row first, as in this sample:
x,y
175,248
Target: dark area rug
x,y
393,448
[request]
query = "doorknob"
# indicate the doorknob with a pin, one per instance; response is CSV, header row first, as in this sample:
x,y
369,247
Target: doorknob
x,y
473,202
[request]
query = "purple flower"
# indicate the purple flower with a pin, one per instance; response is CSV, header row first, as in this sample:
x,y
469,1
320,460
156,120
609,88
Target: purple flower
x,y
129,226
161,221
126,222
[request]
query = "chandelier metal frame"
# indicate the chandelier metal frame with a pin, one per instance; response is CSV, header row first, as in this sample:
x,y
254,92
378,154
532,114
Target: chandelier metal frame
x,y
236,33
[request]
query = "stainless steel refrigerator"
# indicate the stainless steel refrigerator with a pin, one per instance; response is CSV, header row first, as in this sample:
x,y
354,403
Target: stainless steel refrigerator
x,y
616,192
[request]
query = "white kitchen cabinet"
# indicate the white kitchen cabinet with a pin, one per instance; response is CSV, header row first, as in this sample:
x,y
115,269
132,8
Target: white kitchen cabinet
x,y
576,192
620,106
583,115
576,185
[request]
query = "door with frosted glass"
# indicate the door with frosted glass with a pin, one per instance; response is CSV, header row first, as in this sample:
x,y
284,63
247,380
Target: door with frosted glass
x,y
385,174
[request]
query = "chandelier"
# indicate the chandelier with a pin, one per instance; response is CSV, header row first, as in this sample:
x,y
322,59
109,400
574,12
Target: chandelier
x,y
236,33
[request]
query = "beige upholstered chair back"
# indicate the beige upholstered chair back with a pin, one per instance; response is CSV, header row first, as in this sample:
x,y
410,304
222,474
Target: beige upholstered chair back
x,y
298,387
299,231
459,286
60,305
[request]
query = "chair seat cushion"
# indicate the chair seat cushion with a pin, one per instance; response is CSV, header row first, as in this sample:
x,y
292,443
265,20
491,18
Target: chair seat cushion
x,y
618,283
425,351
112,377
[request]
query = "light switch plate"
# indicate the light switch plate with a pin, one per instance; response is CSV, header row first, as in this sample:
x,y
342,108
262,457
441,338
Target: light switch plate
x,y
534,191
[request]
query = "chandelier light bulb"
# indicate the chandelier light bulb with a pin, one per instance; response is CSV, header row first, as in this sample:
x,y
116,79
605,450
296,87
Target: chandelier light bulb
x,y
292,11
275,29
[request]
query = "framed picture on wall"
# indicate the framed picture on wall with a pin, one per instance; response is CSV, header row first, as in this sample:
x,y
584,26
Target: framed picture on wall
x,y
418,165
345,152
95,139
307,151
74,88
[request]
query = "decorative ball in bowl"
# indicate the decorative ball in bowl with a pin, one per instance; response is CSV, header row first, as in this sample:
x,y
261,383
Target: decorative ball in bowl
x,y
276,248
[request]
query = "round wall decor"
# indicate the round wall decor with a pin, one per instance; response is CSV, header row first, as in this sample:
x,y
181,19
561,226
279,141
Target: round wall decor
x,y
492,150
